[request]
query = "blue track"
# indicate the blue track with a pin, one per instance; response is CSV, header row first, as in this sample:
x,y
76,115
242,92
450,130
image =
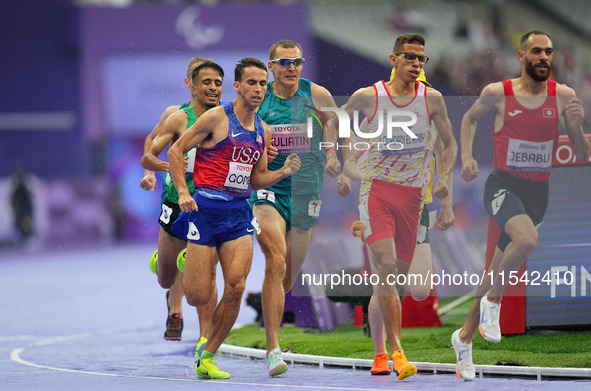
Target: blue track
x,y
93,319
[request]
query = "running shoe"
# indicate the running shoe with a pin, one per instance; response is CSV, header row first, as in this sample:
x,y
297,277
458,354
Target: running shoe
x,y
380,365
276,364
154,262
402,367
174,327
180,260
199,348
208,369
464,365
357,230
489,327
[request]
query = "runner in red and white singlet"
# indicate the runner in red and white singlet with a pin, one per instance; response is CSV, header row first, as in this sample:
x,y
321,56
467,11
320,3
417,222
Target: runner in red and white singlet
x,y
394,169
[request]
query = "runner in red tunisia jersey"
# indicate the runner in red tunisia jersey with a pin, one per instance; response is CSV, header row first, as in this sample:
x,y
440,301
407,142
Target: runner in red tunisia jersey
x,y
516,192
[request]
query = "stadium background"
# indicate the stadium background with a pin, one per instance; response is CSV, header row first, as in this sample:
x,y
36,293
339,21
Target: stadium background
x,y
84,82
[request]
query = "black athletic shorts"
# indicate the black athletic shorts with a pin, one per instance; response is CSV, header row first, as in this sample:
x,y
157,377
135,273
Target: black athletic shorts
x,y
170,212
507,195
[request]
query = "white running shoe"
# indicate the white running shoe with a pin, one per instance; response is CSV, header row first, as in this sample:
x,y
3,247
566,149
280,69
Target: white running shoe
x,y
489,327
464,365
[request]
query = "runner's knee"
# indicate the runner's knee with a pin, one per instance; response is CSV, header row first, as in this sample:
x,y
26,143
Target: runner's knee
x,y
197,297
234,290
526,242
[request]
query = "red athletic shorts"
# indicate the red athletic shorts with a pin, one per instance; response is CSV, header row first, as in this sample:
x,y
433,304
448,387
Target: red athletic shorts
x,y
389,210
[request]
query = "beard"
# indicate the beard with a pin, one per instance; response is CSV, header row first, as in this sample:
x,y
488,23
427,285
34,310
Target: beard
x,y
530,69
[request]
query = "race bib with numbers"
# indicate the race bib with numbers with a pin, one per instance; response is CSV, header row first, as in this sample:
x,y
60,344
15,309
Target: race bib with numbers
x,y
166,213
265,194
314,208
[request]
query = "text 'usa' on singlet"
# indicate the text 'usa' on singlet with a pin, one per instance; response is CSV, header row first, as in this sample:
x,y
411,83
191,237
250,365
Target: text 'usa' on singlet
x,y
223,171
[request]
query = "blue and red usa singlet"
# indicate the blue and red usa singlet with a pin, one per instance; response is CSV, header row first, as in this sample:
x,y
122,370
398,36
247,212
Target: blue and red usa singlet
x,y
223,171
524,146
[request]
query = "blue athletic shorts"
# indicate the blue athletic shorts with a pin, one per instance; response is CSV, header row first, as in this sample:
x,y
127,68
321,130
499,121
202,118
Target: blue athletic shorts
x,y
215,222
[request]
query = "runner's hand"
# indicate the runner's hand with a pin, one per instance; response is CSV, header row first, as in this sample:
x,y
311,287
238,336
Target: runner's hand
x,y
469,169
440,189
292,164
187,203
148,182
575,112
343,185
333,166
272,152
446,217
186,163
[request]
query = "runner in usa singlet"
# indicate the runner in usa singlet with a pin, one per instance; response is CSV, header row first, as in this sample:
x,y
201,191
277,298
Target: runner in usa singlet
x,y
224,170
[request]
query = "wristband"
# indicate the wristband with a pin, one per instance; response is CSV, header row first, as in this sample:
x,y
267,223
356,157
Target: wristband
x,y
329,148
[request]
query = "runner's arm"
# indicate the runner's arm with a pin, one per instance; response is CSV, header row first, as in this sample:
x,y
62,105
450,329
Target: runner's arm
x,y
446,135
574,114
172,126
148,182
490,96
261,177
323,98
193,136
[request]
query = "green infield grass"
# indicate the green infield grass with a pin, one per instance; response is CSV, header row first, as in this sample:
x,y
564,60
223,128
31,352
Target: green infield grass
x,y
536,348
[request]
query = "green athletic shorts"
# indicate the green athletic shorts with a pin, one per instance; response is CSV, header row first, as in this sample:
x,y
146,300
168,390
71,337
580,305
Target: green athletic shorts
x,y
301,211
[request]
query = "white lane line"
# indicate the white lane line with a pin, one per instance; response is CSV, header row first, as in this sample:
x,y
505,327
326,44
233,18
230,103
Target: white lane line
x,y
15,356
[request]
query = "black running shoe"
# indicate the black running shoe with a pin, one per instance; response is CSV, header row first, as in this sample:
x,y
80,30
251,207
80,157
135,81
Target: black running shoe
x,y
174,327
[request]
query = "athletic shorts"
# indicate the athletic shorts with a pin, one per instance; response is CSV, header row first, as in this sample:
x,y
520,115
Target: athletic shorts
x,y
424,225
506,195
300,210
389,210
170,212
215,221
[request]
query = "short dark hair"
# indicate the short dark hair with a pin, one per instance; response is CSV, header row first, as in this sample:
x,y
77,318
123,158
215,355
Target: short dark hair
x,y
245,63
194,63
284,43
408,38
206,65
526,36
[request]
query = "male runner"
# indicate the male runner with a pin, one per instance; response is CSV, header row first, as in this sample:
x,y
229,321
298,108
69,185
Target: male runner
x,y
207,91
422,261
174,293
217,220
525,137
287,211
148,182
393,174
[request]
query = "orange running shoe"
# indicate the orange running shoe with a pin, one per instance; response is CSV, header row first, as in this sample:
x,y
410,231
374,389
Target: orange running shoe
x,y
380,365
357,230
402,367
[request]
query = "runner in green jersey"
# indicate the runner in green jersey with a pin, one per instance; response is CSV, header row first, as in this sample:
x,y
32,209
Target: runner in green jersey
x,y
148,182
287,211
206,90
